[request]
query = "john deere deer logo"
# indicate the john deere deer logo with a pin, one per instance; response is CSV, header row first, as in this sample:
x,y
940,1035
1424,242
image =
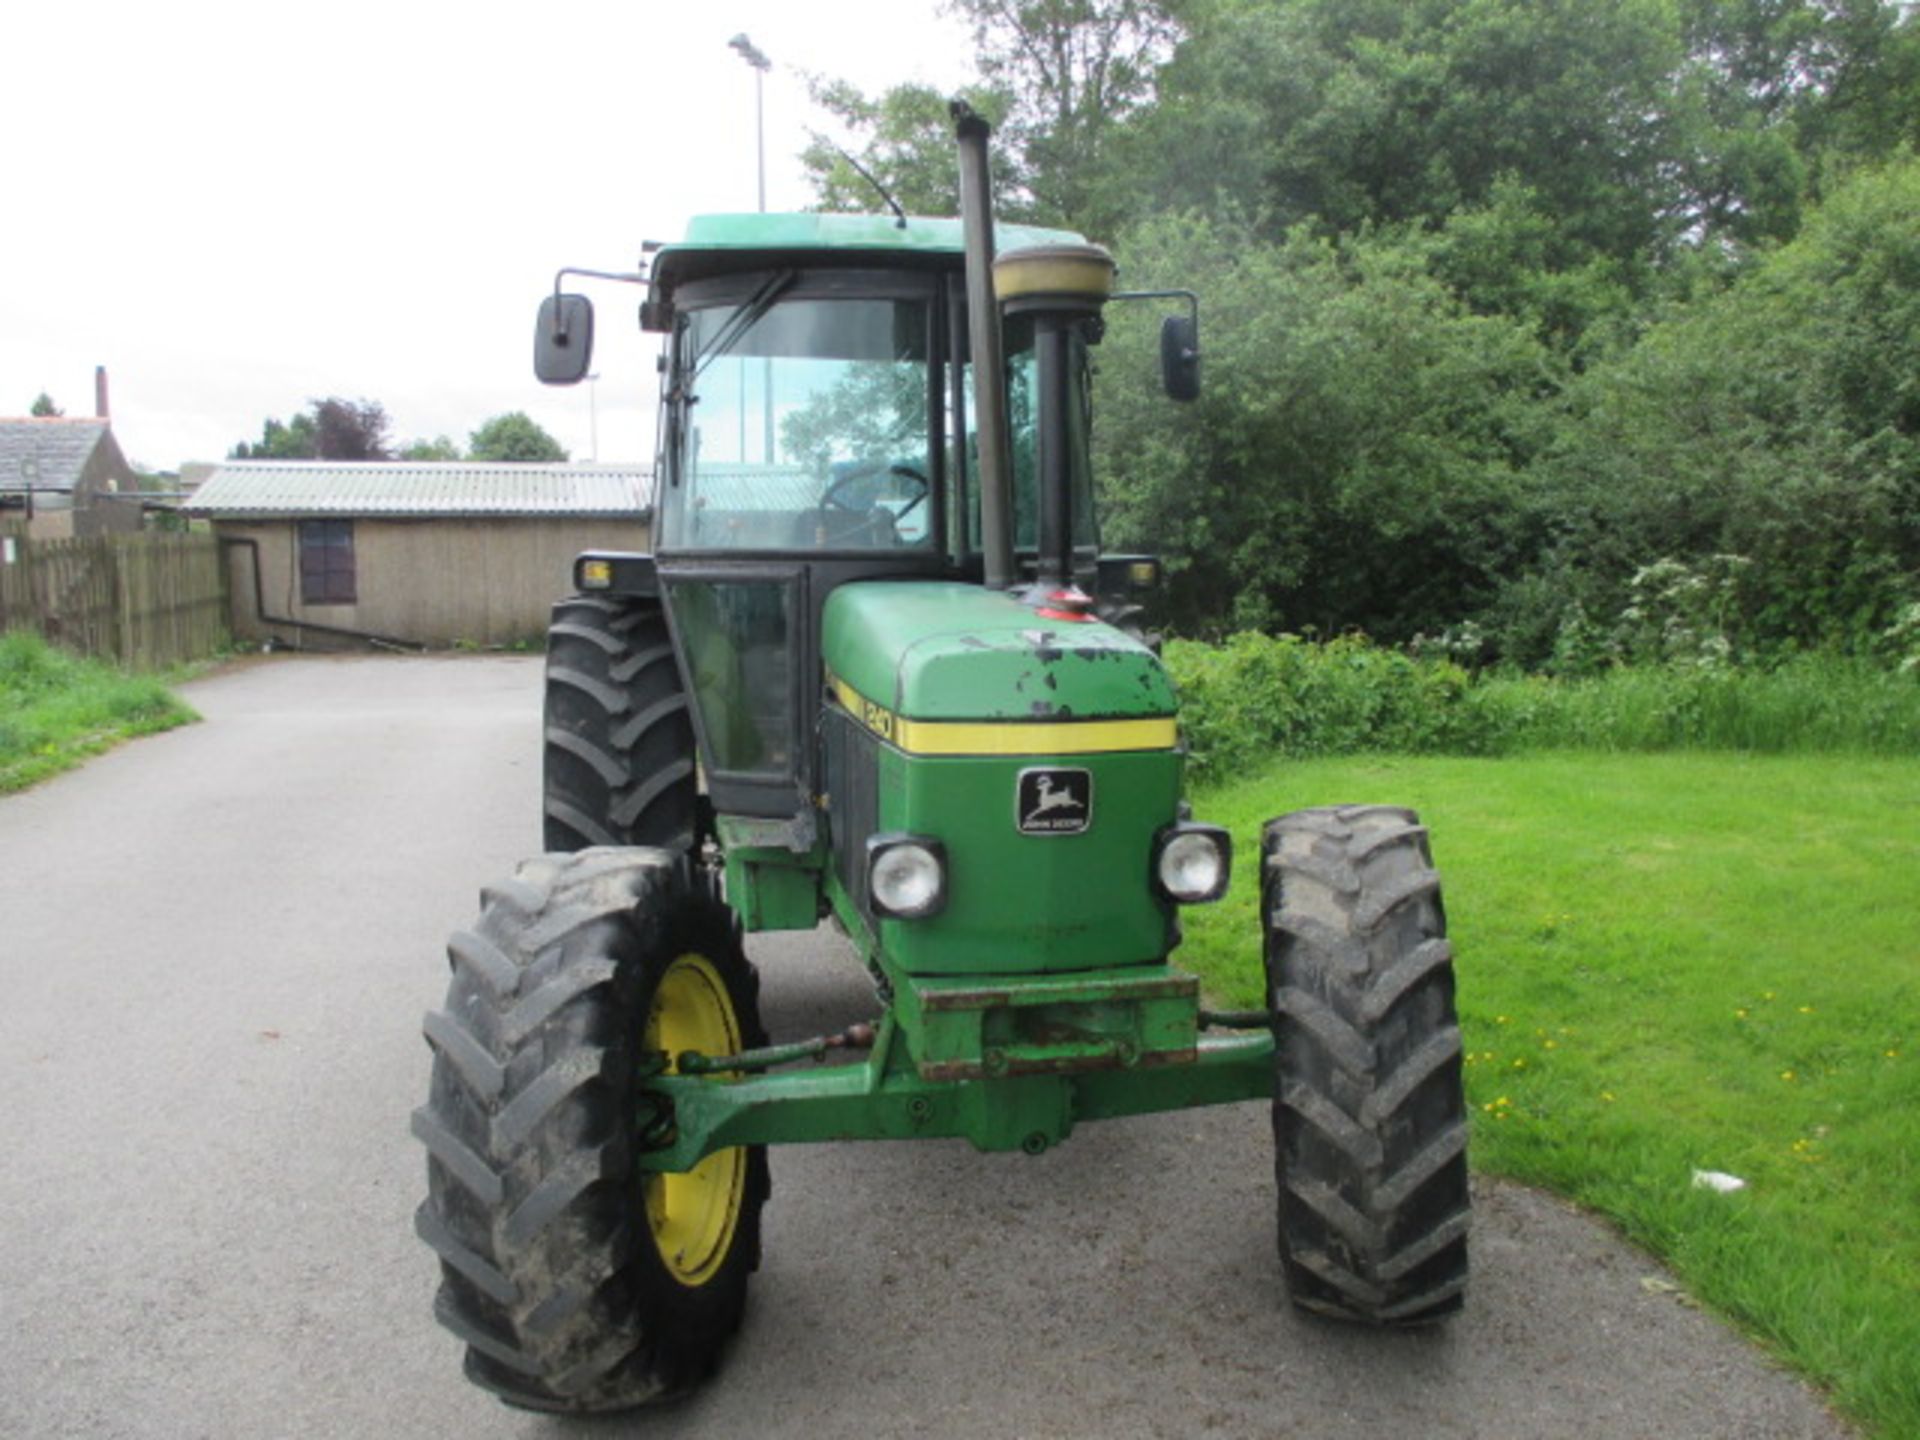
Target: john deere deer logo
x,y
1053,802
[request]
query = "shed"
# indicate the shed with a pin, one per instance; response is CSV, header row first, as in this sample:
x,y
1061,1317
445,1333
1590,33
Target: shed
x,y
66,478
328,554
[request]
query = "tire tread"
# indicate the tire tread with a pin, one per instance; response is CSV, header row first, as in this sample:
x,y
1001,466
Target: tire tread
x,y
619,756
548,1273
1369,1114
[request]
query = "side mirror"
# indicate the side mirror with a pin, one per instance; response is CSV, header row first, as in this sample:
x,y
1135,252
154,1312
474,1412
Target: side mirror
x,y
563,339
1180,357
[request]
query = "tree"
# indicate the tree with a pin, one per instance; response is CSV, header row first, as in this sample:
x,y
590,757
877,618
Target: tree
x,y
441,447
1349,112
350,430
1357,459
330,429
1075,70
1057,77
280,440
44,408
906,144
1820,76
514,438
1512,256
1777,422
1777,91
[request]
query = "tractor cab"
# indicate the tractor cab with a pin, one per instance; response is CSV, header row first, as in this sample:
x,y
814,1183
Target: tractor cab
x,y
817,430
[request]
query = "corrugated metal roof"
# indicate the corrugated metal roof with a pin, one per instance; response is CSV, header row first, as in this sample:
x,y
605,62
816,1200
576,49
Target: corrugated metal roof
x,y
729,485
323,487
46,454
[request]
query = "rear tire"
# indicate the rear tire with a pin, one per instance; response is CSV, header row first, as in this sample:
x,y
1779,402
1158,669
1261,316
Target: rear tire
x,y
579,1281
619,742
1369,1117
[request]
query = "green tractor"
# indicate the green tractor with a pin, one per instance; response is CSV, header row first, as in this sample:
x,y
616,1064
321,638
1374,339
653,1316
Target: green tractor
x,y
876,672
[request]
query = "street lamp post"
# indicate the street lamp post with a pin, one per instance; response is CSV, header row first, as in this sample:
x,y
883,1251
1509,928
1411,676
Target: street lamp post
x,y
753,55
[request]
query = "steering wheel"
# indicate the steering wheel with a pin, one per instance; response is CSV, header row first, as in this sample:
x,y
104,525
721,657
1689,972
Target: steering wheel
x,y
836,497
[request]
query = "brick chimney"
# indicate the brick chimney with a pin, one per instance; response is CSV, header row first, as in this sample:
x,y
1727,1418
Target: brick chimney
x,y
100,410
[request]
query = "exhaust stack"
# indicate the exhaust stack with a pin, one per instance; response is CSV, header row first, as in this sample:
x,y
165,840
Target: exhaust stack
x,y
989,364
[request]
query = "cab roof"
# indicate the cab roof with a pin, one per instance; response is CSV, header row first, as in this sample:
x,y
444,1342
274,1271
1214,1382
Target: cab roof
x,y
721,244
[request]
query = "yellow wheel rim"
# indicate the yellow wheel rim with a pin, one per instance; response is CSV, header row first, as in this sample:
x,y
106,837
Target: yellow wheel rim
x,y
693,1216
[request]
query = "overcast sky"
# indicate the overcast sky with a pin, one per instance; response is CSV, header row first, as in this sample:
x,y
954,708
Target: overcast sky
x,y
237,208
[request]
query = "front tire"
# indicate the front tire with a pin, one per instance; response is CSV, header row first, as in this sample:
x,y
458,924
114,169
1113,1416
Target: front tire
x,y
579,1281
1369,1118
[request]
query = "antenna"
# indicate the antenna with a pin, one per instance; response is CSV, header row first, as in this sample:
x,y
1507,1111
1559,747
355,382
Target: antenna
x,y
900,216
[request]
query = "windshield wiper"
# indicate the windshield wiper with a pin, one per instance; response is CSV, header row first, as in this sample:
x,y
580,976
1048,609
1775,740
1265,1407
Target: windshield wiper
x,y
744,319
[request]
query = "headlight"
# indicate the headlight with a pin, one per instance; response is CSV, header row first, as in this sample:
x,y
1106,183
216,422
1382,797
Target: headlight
x,y
1193,862
906,876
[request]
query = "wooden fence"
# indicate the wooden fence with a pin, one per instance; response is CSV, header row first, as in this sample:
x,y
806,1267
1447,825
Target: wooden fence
x,y
145,601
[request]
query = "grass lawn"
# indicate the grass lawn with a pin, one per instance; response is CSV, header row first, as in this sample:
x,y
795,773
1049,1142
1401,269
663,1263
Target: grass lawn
x,y
1669,963
56,709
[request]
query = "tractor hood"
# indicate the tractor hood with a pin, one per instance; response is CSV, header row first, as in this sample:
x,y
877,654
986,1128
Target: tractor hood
x,y
945,651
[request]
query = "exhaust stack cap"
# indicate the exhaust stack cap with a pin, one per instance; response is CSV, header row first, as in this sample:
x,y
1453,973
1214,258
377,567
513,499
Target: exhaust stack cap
x,y
1053,277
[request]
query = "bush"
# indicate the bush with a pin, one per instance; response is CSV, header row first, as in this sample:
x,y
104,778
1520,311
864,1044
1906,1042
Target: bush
x,y
1256,697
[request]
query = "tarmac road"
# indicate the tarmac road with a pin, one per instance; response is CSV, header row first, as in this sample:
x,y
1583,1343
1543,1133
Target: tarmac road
x,y
215,949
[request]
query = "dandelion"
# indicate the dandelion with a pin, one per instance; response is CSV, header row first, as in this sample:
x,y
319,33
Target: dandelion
x,y
1786,1075
1607,1095
1741,1013
1893,1054
1551,1045
1520,1064
1766,994
1806,1009
1500,1019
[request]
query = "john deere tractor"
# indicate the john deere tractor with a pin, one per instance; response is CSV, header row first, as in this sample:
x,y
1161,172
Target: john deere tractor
x,y
877,673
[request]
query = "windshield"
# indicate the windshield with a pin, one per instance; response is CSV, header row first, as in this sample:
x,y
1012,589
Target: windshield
x,y
806,428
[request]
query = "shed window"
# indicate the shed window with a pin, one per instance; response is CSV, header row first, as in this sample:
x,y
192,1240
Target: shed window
x,y
326,562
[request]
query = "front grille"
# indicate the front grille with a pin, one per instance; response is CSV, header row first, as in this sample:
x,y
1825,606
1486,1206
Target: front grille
x,y
852,779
